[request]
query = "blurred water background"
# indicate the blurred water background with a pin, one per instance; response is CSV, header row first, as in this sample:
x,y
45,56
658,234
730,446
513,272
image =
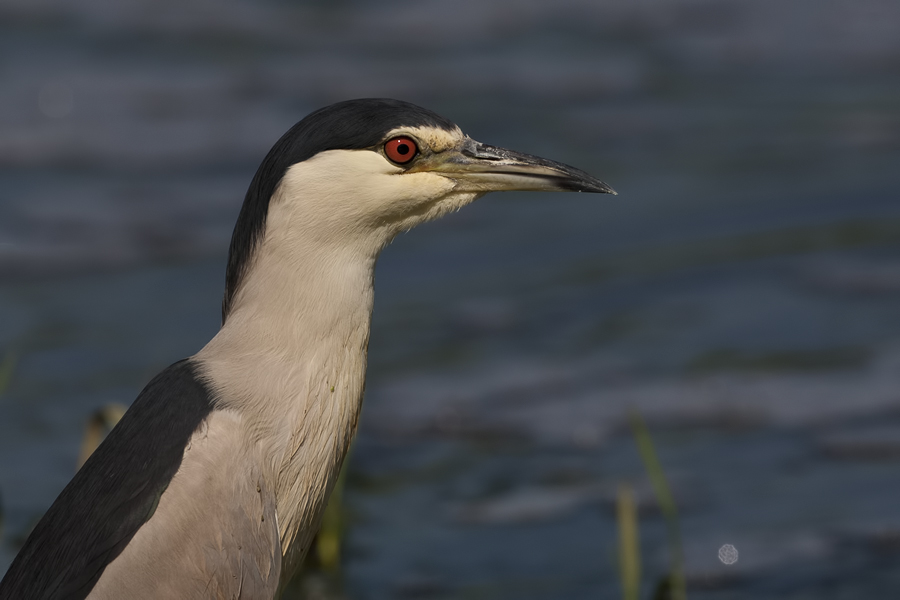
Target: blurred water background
x,y
741,291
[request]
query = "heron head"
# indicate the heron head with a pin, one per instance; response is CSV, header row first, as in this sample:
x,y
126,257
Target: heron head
x,y
354,174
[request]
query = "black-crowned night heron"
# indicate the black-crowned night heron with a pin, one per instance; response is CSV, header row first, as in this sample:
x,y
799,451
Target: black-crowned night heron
x,y
214,482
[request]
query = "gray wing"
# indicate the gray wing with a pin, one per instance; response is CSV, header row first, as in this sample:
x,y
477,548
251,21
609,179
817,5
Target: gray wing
x,y
124,503
215,532
113,494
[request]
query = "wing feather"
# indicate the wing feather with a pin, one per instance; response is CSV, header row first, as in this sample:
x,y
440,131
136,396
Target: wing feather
x,y
113,494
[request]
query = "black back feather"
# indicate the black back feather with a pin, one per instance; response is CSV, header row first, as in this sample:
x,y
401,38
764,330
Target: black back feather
x,y
349,125
113,494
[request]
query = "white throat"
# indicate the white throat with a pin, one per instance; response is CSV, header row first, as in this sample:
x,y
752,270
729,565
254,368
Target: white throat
x,y
291,359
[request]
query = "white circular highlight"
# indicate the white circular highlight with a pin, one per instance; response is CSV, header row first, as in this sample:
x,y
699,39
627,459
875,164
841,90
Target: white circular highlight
x,y
728,554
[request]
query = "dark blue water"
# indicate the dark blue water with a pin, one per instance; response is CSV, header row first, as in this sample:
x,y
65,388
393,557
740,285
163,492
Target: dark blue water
x,y
742,291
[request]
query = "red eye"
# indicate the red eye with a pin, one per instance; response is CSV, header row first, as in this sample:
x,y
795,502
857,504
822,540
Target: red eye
x,y
401,150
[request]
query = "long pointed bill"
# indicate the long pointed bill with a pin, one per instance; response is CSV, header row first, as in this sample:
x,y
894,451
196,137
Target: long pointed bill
x,y
479,167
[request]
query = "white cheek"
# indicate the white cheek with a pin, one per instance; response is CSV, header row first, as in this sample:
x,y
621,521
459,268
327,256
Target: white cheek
x,y
403,194
344,190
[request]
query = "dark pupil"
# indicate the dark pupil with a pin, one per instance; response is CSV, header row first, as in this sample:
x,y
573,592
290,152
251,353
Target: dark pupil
x,y
403,149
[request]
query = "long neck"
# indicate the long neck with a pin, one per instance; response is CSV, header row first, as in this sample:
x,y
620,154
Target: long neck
x,y
291,358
